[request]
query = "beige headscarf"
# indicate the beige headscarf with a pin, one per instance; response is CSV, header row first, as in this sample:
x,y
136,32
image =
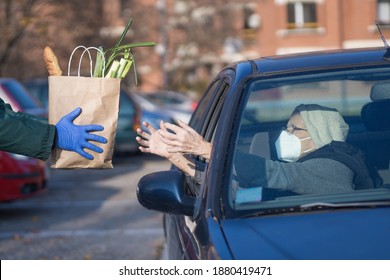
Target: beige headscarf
x,y
324,124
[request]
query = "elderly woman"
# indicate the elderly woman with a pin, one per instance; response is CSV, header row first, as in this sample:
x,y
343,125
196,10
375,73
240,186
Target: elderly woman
x,y
314,157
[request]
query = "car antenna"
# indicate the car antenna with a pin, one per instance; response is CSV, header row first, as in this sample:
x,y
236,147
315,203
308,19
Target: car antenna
x,y
386,56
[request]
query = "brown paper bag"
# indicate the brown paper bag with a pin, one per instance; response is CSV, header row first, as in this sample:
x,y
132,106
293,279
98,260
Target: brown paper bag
x,y
99,100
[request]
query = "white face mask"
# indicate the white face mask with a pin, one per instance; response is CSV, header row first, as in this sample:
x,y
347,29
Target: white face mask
x,y
288,146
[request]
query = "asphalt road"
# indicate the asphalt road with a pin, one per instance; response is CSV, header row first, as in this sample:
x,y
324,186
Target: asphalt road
x,y
86,214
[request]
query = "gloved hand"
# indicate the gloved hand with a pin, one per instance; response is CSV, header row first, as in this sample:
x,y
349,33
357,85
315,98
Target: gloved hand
x,y
75,138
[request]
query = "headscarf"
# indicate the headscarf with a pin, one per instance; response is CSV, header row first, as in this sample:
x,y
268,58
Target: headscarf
x,y
324,124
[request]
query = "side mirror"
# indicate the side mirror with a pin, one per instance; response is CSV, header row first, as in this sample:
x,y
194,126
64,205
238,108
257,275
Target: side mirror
x,y
164,192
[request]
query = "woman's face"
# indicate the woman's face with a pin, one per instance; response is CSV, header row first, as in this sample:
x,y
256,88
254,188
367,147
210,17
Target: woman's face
x,y
301,132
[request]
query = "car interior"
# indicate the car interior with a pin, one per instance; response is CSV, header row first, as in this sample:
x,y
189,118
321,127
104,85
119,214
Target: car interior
x,y
364,104
374,142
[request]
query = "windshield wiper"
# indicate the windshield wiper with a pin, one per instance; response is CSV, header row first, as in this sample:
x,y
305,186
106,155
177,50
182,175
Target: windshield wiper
x,y
321,205
315,206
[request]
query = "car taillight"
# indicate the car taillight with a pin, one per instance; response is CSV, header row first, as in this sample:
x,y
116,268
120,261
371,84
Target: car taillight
x,y
194,105
137,120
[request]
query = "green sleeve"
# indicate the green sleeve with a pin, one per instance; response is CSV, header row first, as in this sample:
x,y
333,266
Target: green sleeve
x,y
25,134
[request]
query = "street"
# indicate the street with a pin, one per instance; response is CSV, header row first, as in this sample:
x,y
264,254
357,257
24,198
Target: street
x,y
86,214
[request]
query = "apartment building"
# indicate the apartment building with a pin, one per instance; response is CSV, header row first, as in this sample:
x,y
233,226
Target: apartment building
x,y
196,38
289,26
269,27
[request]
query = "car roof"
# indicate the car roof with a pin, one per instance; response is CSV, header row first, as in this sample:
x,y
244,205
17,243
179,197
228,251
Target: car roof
x,y
3,80
317,61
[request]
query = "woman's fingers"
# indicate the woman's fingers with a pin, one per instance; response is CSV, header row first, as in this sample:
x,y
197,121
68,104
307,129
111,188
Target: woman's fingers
x,y
171,142
144,149
142,141
185,126
181,132
167,135
188,133
144,145
162,126
176,129
149,127
143,134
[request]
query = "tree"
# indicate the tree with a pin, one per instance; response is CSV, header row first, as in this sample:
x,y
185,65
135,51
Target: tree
x,y
14,21
27,26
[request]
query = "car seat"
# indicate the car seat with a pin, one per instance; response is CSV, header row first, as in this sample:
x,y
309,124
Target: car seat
x,y
376,115
375,142
260,145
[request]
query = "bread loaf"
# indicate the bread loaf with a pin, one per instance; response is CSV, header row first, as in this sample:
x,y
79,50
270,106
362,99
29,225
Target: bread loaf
x,y
51,62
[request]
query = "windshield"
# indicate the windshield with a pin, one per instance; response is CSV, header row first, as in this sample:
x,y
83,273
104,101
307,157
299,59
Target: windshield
x,y
333,149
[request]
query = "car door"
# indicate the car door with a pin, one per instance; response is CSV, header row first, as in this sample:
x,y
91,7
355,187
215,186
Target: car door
x,y
187,237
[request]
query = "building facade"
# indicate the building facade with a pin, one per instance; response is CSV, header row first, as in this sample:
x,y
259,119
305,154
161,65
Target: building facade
x,y
294,26
246,29
195,38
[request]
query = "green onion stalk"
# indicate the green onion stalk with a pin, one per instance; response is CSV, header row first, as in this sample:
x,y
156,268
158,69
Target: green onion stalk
x,y
119,59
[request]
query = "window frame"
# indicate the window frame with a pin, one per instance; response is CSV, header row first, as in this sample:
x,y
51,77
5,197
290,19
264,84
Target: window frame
x,y
297,20
383,19
205,124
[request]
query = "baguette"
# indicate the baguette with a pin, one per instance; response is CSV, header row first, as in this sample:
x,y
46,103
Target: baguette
x,y
51,62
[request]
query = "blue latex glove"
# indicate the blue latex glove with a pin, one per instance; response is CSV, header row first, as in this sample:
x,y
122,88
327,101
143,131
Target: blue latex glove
x,y
75,138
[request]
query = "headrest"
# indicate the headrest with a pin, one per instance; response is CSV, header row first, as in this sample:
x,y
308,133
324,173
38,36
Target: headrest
x,y
376,115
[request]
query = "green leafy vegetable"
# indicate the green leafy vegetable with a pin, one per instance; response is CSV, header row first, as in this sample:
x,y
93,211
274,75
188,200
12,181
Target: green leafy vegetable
x,y
118,60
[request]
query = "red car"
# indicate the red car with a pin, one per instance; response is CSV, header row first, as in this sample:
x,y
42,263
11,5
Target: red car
x,y
20,176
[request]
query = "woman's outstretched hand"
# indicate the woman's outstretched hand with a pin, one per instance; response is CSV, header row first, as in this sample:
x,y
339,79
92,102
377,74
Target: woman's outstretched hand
x,y
151,142
184,140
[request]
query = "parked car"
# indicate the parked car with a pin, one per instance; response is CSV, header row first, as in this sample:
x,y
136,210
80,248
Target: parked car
x,y
39,88
129,117
150,112
175,104
243,110
15,94
20,176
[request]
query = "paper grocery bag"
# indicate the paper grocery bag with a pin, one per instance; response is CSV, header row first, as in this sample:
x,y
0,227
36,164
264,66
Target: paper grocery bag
x,y
99,100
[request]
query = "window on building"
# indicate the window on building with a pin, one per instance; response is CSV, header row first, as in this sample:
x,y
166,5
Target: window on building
x,y
383,12
302,14
252,22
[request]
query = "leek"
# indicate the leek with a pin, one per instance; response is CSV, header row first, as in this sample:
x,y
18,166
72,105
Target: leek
x,y
118,59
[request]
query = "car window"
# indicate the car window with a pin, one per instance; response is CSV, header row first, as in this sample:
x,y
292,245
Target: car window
x,y
209,130
265,182
203,107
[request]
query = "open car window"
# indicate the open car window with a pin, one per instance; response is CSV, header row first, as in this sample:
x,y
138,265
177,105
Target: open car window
x,y
265,183
205,121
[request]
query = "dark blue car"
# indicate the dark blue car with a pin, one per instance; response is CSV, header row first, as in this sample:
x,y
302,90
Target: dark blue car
x,y
242,111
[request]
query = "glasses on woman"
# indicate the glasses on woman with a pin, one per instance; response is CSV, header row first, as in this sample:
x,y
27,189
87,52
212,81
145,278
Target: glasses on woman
x,y
292,128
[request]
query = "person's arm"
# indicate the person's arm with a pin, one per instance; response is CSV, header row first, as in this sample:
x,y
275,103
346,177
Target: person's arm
x,y
185,140
152,143
24,134
310,177
28,135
